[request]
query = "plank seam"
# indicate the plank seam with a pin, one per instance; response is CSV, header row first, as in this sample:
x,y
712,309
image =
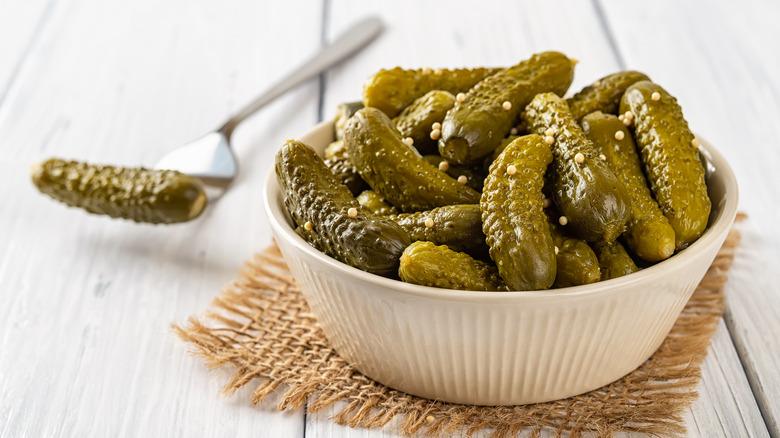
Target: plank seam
x,y
609,33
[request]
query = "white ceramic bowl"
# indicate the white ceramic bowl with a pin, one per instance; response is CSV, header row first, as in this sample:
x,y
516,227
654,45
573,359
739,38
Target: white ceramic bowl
x,y
499,348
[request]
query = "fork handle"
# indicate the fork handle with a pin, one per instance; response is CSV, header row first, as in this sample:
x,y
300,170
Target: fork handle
x,y
357,37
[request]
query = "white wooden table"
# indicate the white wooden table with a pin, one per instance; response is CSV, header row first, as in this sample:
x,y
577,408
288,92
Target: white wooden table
x,y
86,302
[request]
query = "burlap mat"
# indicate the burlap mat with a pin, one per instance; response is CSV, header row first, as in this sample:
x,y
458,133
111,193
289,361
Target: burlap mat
x,y
261,328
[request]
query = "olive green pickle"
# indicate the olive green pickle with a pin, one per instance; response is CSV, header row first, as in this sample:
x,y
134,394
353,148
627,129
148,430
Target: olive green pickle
x,y
427,264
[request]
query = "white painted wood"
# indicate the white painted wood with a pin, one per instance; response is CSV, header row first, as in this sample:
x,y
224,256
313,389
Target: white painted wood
x,y
20,26
721,62
85,343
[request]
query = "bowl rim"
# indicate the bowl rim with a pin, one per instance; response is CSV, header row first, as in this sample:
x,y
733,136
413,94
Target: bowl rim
x,y
712,236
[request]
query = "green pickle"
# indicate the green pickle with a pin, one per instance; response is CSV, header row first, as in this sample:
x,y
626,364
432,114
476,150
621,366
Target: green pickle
x,y
475,177
376,203
335,149
392,90
346,173
586,192
142,195
343,112
474,128
417,119
603,95
427,264
457,226
648,232
614,261
671,159
321,206
513,219
395,170
576,262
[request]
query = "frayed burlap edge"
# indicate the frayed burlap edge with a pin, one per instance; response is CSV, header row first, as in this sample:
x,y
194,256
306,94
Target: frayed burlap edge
x,y
261,326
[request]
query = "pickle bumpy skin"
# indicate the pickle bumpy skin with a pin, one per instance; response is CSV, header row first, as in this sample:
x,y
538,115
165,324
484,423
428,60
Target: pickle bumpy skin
x,y
603,95
457,226
594,203
671,159
142,195
614,261
474,127
331,219
648,232
513,218
418,119
395,170
392,90
577,264
427,264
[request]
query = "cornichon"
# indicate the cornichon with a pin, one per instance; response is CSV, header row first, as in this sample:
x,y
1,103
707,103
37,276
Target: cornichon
x,y
576,262
475,177
671,159
346,173
648,232
374,202
457,226
343,112
594,202
513,219
395,170
614,261
392,90
142,195
416,120
333,220
603,95
427,264
473,128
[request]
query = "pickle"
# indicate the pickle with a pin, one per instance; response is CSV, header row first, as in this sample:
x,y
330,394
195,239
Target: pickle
x,y
427,264
457,226
322,207
475,127
392,90
142,195
417,119
576,262
603,95
335,149
346,173
374,202
475,177
614,261
343,112
513,219
648,232
586,192
395,170
671,159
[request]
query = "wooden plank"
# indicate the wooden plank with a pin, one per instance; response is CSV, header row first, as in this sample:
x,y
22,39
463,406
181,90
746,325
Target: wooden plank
x,y
85,343
21,24
721,63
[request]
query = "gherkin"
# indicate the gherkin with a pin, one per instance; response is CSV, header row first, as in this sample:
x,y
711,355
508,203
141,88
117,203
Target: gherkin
x,y
614,261
457,226
576,262
343,112
582,186
603,95
513,219
671,159
330,217
395,170
392,90
376,203
141,195
416,121
473,128
648,232
427,264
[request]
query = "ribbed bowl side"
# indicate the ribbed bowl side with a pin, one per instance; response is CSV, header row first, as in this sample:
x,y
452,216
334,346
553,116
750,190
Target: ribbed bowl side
x,y
489,353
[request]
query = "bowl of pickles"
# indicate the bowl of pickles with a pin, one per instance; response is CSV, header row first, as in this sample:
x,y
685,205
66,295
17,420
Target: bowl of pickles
x,y
471,236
